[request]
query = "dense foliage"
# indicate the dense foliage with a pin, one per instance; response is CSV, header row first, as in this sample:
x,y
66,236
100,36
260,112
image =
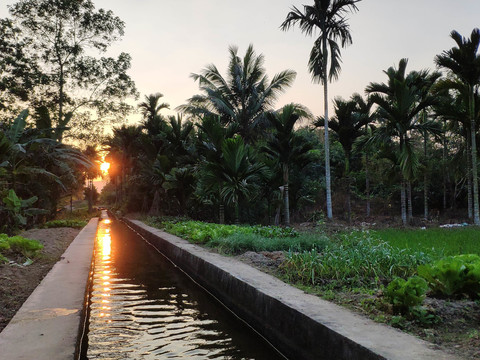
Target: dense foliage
x,y
404,151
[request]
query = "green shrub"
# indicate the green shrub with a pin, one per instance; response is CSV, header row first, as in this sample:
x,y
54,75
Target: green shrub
x,y
454,275
27,247
77,224
4,244
406,294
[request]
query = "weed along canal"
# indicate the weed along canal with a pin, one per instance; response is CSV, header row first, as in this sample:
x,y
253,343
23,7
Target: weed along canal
x,y
143,307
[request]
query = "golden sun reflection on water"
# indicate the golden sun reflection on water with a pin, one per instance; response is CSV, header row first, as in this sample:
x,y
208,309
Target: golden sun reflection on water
x,y
104,246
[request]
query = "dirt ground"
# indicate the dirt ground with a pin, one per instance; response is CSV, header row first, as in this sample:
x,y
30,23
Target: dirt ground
x,y
17,282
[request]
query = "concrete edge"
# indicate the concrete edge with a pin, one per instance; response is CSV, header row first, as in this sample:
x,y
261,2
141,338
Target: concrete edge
x,y
47,325
300,325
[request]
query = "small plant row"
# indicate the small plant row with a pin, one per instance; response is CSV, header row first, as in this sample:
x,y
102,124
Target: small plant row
x,y
201,232
77,224
358,259
15,246
234,239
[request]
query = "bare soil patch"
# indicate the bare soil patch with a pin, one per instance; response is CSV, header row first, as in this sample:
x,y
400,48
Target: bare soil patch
x,y
17,282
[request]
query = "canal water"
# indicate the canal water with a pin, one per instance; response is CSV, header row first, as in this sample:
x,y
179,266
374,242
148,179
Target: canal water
x,y
142,307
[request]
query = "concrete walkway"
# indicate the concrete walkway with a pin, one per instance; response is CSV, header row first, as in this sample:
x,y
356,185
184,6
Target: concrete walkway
x,y
47,325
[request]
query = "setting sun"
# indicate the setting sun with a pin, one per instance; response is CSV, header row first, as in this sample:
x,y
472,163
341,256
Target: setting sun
x,y
104,166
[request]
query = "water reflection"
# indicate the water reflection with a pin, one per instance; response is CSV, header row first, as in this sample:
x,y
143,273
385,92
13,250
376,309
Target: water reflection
x,y
143,308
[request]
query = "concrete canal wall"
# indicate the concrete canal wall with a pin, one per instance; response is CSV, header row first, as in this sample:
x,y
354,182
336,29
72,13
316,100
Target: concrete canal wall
x,y
301,326
47,325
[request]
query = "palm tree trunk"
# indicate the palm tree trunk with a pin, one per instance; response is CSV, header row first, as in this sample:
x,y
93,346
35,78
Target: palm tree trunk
x,y
403,203
155,208
285,198
287,206
409,201
221,214
327,145
237,212
425,180
476,210
367,184
469,181
347,184
444,153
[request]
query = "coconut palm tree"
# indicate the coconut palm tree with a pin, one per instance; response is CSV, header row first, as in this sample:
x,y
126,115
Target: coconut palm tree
x,y
284,146
328,17
243,96
400,101
464,62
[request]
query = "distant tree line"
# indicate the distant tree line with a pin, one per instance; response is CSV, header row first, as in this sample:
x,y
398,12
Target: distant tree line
x,y
406,148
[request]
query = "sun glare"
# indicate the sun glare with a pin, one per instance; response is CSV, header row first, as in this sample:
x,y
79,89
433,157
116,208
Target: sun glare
x,y
104,166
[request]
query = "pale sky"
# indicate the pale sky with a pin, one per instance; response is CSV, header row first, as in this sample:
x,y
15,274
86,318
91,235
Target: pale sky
x,y
170,39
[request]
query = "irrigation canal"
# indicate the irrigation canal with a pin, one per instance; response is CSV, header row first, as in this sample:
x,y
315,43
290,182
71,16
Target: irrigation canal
x,y
142,307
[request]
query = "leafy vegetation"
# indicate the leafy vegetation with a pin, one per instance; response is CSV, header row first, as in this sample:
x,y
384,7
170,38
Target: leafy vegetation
x,y
404,295
235,239
454,275
77,224
17,245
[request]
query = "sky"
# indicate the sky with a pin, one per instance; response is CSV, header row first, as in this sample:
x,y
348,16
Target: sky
x,y
170,39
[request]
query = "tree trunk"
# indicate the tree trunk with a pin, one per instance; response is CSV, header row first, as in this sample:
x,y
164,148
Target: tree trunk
x,y
155,208
287,206
476,210
237,212
221,214
409,202
469,181
425,180
444,163
285,197
403,203
367,184
327,145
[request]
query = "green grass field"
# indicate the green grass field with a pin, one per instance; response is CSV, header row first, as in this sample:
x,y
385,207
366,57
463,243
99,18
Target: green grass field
x,y
437,242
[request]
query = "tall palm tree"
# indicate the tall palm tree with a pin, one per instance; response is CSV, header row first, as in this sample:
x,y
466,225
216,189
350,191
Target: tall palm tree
x,y
284,146
464,62
347,123
242,96
400,101
329,18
